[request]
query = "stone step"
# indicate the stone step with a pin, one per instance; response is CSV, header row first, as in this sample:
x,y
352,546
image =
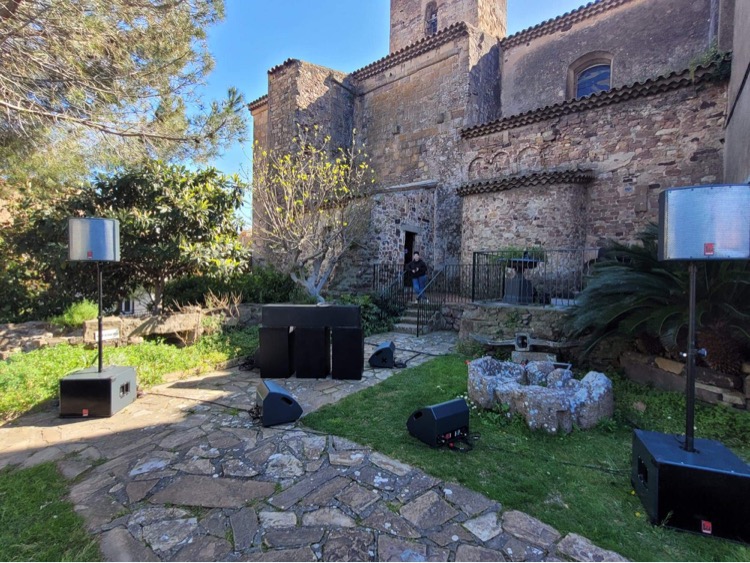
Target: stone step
x,y
411,328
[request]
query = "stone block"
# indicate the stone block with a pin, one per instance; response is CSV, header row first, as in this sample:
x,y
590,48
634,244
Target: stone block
x,y
718,379
733,398
671,366
636,369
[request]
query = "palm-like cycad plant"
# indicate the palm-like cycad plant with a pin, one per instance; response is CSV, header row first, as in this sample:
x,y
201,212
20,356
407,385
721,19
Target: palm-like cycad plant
x,y
631,293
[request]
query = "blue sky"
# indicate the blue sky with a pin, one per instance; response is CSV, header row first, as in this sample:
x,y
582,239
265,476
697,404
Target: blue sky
x,y
341,34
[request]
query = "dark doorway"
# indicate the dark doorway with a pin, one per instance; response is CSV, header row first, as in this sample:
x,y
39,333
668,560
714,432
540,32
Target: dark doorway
x,y
409,239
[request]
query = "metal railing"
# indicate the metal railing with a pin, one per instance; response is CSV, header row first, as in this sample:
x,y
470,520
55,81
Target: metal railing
x,y
433,298
545,277
535,277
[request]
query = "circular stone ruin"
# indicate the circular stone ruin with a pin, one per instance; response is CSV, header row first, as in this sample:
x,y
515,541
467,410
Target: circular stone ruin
x,y
548,397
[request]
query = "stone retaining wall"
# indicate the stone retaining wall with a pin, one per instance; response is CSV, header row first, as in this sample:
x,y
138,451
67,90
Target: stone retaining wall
x,y
25,337
711,386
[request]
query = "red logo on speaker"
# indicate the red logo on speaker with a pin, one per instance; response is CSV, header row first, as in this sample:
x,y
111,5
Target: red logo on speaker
x,y
85,412
706,527
708,248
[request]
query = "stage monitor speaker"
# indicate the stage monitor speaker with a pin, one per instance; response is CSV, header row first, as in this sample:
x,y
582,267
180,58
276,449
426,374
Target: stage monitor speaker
x,y
276,352
348,352
276,405
383,355
439,424
706,491
90,393
312,352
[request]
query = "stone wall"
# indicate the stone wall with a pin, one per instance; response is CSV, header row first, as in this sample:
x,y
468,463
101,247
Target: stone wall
x,y
737,156
550,216
25,337
635,148
644,38
710,386
303,93
413,113
500,321
408,18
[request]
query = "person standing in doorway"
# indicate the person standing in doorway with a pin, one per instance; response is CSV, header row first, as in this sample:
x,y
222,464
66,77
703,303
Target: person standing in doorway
x,y
418,270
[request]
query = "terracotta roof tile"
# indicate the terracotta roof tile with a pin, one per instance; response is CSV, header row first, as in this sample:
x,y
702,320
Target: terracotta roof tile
x,y
543,178
260,102
411,51
283,65
650,87
564,21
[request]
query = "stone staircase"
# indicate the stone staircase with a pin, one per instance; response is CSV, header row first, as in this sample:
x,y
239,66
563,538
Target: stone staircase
x,y
407,323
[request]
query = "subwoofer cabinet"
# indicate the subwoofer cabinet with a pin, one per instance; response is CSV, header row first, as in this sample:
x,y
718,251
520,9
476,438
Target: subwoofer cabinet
x,y
276,351
347,355
312,352
706,491
90,393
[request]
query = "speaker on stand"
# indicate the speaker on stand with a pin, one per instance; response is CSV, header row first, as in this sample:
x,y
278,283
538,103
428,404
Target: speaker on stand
x,y
382,357
693,484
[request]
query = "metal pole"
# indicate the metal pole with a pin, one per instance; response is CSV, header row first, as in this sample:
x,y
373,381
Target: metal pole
x,y
101,338
690,383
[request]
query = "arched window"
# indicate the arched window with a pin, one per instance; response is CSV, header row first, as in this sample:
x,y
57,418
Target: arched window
x,y
590,74
430,19
597,78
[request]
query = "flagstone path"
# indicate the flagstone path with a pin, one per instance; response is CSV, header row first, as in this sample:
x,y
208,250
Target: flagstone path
x,y
185,474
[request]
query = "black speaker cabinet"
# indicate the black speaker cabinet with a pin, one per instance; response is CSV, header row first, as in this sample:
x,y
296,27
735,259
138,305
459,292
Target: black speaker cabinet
x,y
706,491
312,352
311,316
90,393
348,352
276,352
276,405
382,357
439,424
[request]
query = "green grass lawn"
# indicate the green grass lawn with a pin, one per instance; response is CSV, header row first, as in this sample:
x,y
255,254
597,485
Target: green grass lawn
x,y
36,524
577,483
30,379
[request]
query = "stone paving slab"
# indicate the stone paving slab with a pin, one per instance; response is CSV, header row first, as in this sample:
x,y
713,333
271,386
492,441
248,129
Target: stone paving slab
x,y
186,474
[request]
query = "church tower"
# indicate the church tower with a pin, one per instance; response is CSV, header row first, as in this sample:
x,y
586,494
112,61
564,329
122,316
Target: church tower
x,y
412,20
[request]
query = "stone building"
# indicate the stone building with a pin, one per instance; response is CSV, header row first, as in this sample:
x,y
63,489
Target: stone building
x,y
559,136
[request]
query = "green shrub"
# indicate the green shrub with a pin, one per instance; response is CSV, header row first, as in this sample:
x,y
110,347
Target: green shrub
x,y
632,293
263,284
192,290
76,314
374,318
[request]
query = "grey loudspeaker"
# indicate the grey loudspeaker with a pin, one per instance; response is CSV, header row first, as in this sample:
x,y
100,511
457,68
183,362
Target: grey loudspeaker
x,y
440,424
383,355
705,223
276,404
94,240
